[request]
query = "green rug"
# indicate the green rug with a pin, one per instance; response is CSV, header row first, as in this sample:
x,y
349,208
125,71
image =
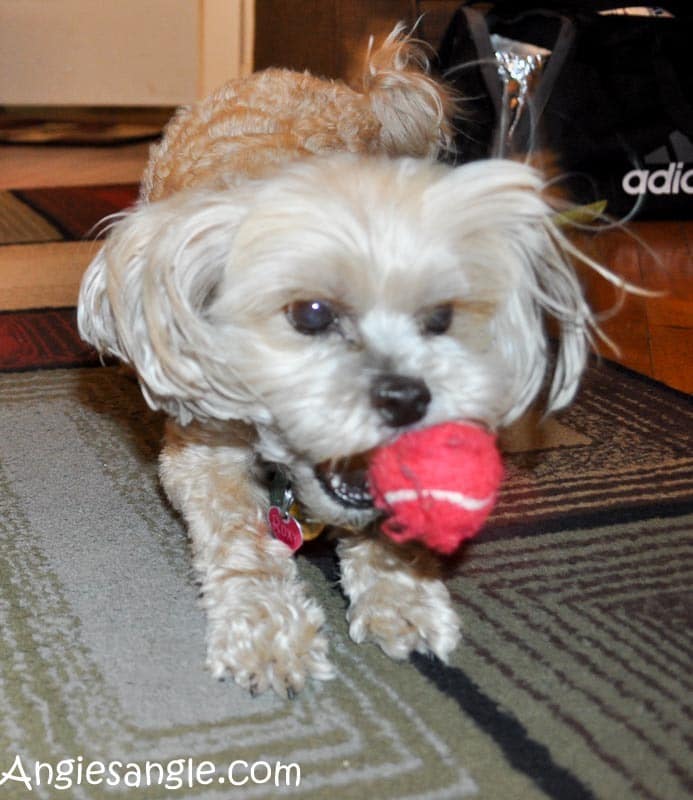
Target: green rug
x,y
574,679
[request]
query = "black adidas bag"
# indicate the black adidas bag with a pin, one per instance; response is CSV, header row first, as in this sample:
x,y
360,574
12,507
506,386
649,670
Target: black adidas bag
x,y
613,101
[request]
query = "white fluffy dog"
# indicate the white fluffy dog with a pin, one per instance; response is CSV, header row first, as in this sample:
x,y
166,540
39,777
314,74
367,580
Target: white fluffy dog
x,y
292,308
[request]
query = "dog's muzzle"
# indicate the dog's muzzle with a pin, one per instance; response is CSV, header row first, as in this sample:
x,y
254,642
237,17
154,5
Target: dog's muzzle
x,y
400,401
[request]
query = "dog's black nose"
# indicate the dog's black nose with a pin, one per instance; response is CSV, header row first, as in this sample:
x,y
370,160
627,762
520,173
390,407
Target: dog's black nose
x,y
400,400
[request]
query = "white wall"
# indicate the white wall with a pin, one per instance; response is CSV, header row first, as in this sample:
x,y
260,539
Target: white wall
x,y
120,52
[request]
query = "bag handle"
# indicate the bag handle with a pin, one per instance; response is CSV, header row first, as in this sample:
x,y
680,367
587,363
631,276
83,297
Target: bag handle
x,y
560,52
680,106
478,29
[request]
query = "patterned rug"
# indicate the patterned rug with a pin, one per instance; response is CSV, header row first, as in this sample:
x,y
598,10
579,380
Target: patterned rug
x,y
50,219
70,213
574,679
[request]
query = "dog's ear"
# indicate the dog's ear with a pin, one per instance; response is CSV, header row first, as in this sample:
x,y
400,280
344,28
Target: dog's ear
x,y
144,297
497,211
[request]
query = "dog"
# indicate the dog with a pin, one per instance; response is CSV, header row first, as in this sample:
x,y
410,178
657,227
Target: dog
x,y
301,281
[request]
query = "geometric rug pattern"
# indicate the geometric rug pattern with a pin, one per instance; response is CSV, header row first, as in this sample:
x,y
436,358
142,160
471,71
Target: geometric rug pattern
x,y
68,213
49,219
573,679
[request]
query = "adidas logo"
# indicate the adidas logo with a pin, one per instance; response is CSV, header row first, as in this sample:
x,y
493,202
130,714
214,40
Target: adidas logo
x,y
672,179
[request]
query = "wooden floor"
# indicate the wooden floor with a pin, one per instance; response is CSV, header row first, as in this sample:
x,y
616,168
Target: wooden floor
x,y
654,334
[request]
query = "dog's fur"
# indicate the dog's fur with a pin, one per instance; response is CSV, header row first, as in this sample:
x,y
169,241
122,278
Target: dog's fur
x,y
284,188
249,127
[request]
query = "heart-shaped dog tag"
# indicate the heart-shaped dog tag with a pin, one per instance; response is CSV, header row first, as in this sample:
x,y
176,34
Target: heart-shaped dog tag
x,y
285,528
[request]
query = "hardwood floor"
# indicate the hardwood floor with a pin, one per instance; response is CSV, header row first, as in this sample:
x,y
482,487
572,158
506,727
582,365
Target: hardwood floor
x,y
654,334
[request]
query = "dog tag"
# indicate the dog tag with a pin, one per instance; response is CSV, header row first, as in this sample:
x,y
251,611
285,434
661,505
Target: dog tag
x,y
285,528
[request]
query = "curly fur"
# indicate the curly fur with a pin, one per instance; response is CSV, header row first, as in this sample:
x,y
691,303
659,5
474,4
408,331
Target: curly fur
x,y
248,127
281,188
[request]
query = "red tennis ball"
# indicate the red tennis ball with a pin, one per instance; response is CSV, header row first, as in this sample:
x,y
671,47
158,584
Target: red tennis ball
x,y
436,485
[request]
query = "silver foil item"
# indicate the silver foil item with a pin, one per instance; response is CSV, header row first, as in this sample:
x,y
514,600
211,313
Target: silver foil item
x,y
520,66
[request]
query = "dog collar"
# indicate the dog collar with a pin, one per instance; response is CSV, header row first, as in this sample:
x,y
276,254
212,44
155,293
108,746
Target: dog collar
x,y
283,514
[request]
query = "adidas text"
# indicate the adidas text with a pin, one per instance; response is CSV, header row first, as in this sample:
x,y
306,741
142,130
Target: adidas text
x,y
671,180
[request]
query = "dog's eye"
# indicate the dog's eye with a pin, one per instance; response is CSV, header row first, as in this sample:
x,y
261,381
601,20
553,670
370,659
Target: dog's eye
x,y
311,316
438,319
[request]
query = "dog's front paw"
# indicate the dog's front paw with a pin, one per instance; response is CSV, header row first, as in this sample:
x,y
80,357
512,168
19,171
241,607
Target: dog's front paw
x,y
403,616
267,638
